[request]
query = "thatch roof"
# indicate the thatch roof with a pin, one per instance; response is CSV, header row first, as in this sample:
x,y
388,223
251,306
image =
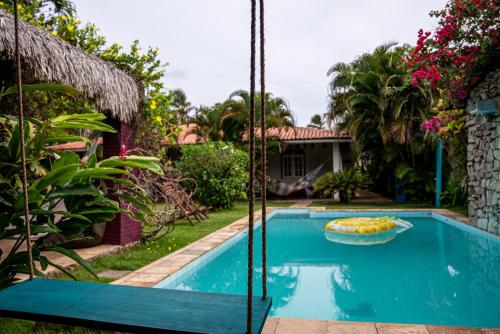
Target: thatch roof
x,y
49,58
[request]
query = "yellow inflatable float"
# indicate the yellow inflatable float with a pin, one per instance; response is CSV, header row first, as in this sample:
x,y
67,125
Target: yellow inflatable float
x,y
365,230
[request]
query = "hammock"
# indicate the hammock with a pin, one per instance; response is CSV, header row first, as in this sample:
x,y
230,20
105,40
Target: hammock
x,y
283,188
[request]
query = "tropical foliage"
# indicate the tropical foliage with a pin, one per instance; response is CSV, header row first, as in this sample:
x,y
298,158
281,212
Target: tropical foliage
x,y
317,122
220,172
180,106
346,182
373,99
66,195
156,124
229,120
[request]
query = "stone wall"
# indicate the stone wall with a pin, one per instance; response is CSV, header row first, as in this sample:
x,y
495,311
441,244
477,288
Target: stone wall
x,y
483,159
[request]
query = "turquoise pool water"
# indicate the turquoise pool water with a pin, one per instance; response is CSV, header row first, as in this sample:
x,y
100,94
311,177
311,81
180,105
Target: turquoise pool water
x,y
438,272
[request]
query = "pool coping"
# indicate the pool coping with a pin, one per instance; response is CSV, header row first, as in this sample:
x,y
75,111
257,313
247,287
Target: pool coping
x,y
157,271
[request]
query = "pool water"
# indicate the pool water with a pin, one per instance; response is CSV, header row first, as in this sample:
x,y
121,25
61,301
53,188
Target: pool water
x,y
438,272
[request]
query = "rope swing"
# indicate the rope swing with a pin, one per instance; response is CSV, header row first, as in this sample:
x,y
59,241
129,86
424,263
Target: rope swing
x,y
251,144
251,171
20,124
263,150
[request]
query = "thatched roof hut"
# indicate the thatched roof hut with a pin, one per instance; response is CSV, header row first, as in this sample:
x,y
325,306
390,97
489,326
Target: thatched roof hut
x,y
49,58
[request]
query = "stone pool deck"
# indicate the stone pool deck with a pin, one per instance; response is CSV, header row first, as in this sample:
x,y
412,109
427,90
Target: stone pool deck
x,y
157,271
304,326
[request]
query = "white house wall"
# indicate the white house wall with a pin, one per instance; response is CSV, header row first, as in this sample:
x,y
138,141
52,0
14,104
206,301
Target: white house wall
x,y
315,155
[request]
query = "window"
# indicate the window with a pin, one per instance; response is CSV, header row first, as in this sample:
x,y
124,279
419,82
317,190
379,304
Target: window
x,y
298,163
293,165
287,166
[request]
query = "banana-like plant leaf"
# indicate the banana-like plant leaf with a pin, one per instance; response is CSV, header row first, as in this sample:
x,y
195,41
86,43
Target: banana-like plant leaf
x,y
97,173
65,139
133,161
57,176
75,257
88,125
74,190
14,143
42,87
34,197
79,117
66,158
137,204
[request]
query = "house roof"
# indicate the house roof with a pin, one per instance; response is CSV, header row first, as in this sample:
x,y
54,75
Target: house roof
x,y
302,134
48,58
188,134
73,146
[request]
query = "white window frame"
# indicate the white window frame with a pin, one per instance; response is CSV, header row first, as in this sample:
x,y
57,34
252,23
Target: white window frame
x,y
293,169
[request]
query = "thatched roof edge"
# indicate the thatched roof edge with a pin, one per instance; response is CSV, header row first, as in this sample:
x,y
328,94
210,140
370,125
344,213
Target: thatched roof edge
x,y
52,59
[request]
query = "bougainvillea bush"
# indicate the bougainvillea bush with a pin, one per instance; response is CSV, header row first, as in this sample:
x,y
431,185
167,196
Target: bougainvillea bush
x,y
465,42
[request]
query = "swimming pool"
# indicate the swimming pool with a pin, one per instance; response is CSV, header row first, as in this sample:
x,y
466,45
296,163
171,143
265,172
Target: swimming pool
x,y
438,272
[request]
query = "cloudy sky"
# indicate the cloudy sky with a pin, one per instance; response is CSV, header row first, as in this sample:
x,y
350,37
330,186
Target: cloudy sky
x,y
206,42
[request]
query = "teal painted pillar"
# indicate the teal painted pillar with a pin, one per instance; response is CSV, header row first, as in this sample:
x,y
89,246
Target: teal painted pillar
x,y
439,171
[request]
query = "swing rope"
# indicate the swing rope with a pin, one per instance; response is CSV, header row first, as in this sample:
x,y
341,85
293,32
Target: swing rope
x,y
20,111
251,172
263,150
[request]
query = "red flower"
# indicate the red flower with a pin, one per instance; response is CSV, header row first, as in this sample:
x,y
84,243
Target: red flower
x,y
123,152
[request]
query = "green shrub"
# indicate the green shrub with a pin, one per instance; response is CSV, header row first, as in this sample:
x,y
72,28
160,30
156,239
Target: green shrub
x,y
455,194
219,170
323,186
346,182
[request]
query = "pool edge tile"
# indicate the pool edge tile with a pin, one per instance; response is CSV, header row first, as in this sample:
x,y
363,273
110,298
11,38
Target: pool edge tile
x,y
157,271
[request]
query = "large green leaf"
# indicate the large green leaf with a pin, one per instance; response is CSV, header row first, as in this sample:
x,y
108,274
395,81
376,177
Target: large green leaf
x,y
87,125
66,158
75,257
57,176
65,139
133,161
14,142
34,197
98,172
74,190
79,117
42,87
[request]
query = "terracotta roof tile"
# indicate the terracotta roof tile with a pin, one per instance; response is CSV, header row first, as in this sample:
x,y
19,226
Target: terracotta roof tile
x,y
72,146
301,133
188,136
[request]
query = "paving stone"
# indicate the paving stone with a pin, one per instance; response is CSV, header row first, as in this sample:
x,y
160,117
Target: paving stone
x,y
270,326
114,274
452,330
300,326
383,328
344,327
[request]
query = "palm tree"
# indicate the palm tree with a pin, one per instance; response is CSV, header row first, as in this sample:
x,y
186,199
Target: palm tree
x,y
180,106
317,122
236,113
208,122
372,98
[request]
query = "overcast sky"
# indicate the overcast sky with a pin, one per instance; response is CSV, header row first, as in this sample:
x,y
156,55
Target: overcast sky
x,y
206,42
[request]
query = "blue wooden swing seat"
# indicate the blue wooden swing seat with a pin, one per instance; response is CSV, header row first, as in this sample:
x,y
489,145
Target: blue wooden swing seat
x,y
130,309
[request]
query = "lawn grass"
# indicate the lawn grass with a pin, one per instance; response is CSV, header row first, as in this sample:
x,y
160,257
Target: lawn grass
x,y
360,206
136,257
